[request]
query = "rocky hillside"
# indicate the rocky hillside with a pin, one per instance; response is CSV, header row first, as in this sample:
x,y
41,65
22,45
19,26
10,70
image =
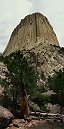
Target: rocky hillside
x,y
46,60
36,38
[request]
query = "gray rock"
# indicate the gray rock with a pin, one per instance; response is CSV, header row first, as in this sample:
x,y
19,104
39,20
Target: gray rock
x,y
5,117
33,106
55,108
18,122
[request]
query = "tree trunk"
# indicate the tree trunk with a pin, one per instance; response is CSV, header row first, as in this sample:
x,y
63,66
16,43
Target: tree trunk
x,y
24,105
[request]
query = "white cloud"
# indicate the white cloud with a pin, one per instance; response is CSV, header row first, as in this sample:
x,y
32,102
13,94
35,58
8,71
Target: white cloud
x,y
12,11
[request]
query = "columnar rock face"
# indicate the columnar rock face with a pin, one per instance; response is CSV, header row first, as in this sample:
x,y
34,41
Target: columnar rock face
x,y
33,30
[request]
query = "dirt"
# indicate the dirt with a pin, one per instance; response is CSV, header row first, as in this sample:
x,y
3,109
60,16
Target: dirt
x,y
36,124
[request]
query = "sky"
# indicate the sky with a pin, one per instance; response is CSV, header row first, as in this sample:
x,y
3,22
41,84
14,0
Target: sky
x,y
12,11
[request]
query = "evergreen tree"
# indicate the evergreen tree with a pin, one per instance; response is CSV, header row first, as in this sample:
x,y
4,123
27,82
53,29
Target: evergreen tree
x,y
19,75
56,83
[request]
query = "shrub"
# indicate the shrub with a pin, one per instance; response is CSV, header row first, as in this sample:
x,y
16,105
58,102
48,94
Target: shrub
x,y
41,100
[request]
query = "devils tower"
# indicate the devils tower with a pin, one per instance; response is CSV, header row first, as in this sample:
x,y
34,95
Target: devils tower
x,y
33,30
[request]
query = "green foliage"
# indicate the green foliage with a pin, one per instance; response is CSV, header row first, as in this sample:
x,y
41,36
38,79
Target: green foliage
x,y
1,58
19,75
61,126
56,83
41,100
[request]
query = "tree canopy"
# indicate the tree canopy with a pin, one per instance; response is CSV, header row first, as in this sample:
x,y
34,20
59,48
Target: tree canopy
x,y
19,75
56,83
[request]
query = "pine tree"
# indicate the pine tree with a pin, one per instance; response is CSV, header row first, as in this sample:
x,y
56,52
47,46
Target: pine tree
x,y
56,83
19,75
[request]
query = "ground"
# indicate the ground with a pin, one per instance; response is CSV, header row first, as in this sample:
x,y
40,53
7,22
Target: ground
x,y
36,124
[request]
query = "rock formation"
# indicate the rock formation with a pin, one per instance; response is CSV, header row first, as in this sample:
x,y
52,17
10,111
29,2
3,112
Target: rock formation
x,y
33,30
36,38
5,117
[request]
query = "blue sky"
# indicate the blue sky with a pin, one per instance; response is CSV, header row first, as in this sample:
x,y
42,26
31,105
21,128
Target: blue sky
x,y
12,11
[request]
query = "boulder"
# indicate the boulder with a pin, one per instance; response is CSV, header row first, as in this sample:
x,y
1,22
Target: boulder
x,y
33,106
6,102
55,108
5,117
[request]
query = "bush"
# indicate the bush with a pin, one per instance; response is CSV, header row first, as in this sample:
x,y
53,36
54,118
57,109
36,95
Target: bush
x,y
41,100
56,83
19,75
